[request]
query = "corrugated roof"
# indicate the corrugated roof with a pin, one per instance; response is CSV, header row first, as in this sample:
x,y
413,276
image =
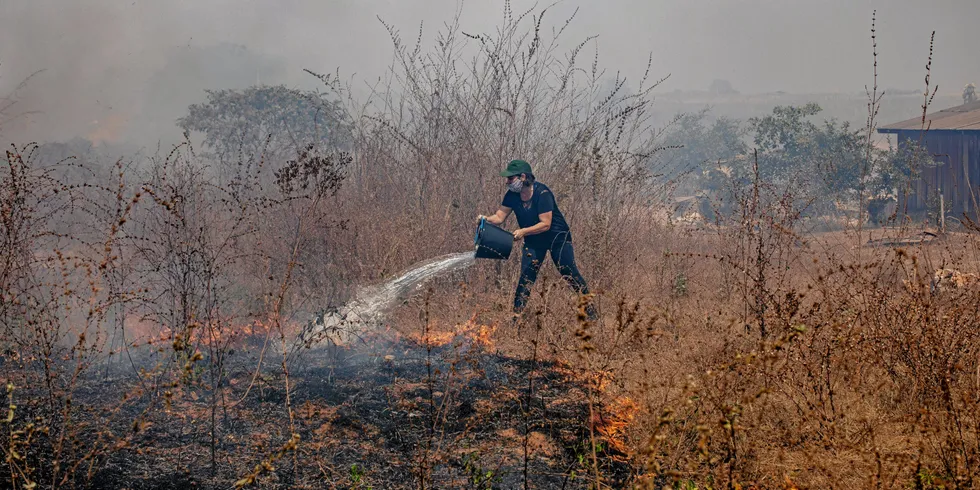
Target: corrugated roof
x,y
964,117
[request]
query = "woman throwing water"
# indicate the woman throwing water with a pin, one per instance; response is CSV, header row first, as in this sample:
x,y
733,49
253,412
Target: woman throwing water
x,y
543,229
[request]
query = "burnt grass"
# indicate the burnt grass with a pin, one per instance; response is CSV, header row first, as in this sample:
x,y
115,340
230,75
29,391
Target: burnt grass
x,y
380,415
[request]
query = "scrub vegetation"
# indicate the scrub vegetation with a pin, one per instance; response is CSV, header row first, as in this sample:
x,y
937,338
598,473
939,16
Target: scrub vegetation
x,y
782,324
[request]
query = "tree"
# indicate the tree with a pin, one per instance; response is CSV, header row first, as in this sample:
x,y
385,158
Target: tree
x,y
697,146
895,171
823,160
274,121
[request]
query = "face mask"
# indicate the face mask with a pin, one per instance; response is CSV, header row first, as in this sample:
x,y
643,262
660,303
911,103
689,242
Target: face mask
x,y
516,185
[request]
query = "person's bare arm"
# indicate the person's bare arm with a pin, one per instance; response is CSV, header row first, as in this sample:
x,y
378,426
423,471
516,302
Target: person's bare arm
x,y
497,218
541,227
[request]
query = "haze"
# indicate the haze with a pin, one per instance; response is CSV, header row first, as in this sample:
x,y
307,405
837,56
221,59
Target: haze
x,y
128,69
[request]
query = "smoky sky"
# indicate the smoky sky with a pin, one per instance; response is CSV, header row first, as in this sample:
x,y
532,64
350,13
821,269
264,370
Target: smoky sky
x,y
114,69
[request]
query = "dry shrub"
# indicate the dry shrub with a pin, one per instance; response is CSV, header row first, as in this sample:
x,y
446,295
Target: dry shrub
x,y
144,306
57,301
433,136
122,300
867,384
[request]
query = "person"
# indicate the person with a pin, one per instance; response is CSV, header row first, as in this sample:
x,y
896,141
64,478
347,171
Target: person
x,y
543,229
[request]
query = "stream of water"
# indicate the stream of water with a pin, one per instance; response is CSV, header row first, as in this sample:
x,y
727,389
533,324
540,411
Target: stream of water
x,y
372,303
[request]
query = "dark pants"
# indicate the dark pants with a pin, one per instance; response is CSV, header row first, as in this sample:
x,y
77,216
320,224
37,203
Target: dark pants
x,y
562,254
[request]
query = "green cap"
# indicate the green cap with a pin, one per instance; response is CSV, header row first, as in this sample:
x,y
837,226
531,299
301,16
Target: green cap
x,y
516,167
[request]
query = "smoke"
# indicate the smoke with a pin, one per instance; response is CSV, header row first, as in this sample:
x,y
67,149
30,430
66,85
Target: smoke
x,y
117,70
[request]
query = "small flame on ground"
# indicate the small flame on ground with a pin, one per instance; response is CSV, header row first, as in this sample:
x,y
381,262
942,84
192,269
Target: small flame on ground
x,y
612,424
472,333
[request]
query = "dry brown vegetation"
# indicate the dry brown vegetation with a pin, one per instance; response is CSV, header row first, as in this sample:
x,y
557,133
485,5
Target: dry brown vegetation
x,y
149,308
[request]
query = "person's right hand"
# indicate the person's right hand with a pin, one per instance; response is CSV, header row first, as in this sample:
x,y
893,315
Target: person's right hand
x,y
478,218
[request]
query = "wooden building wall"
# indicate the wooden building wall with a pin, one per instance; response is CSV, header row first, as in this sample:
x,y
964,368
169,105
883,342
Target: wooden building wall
x,y
956,175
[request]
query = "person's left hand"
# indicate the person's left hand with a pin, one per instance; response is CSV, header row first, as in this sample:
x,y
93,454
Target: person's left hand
x,y
519,234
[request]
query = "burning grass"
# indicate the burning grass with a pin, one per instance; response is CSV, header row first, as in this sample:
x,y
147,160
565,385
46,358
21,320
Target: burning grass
x,y
149,318
371,415
867,375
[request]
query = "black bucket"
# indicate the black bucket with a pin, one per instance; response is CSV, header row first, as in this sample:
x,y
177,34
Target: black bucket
x,y
492,242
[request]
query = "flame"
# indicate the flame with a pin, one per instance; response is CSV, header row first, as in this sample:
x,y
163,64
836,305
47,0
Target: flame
x,y
612,423
472,332
434,339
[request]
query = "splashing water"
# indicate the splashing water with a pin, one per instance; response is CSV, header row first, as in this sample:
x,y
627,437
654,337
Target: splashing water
x,y
371,304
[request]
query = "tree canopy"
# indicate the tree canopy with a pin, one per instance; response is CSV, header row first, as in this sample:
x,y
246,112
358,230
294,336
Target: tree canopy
x,y
697,145
817,162
274,121
826,159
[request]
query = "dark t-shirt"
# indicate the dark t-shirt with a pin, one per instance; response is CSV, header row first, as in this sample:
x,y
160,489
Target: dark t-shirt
x,y
542,201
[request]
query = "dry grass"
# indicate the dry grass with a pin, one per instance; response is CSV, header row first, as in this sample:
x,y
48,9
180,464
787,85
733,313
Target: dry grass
x,y
144,308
